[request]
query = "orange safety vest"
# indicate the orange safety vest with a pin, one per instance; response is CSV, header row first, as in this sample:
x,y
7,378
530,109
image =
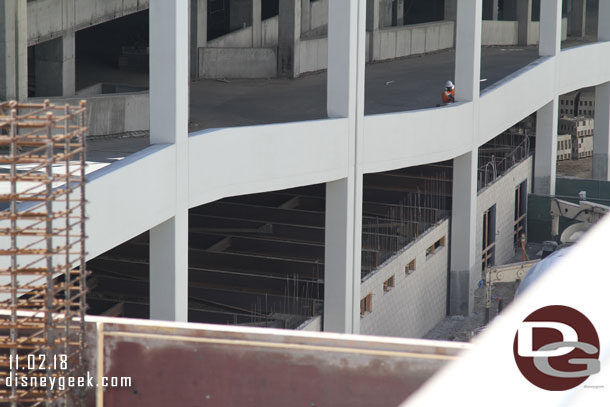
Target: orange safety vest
x,y
449,97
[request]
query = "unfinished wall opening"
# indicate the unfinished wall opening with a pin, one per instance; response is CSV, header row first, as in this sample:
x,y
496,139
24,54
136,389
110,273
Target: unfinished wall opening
x,y
489,238
411,267
113,57
388,284
366,305
520,212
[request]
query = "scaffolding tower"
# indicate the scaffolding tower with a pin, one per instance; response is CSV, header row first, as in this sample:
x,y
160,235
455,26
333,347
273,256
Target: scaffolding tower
x,y
42,253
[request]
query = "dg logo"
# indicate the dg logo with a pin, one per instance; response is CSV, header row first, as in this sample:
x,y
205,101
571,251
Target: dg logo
x,y
557,348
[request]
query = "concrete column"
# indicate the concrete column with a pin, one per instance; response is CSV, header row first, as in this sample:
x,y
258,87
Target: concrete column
x,y
495,9
464,274
372,26
343,234
305,15
289,39
13,50
451,10
468,50
257,24
199,33
398,12
524,18
547,116
603,25
601,139
169,46
550,28
577,18
56,67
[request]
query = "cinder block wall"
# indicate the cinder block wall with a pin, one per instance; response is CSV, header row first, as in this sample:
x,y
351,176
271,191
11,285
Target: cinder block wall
x,y
417,302
502,194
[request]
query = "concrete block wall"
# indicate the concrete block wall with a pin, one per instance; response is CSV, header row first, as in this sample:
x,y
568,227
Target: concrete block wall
x,y
397,42
499,32
312,325
314,54
239,63
113,114
502,194
418,301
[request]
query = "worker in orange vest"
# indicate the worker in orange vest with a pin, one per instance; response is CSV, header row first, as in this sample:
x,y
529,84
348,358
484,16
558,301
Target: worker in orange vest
x,y
449,93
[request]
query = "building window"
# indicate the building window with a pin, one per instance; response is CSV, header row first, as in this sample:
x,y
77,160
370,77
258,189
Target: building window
x,y
440,243
388,284
366,305
410,268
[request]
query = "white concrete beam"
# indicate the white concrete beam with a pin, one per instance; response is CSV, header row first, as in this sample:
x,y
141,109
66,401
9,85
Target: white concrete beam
x,y
169,46
524,18
56,66
13,50
345,99
601,139
546,148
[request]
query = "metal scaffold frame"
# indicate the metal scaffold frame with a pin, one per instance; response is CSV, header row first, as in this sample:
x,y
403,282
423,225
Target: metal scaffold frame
x,y
42,251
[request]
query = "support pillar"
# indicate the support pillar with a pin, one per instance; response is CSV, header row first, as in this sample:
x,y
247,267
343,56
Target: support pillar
x,y
601,139
495,9
548,116
289,39
13,50
524,18
56,67
199,33
546,149
169,41
343,233
372,26
577,18
398,12
451,10
257,24
464,274
305,16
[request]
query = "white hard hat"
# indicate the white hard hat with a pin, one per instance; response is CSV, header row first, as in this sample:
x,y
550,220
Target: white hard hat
x,y
449,84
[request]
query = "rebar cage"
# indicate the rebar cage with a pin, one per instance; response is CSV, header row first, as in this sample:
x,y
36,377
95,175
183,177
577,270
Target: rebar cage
x,y
42,253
